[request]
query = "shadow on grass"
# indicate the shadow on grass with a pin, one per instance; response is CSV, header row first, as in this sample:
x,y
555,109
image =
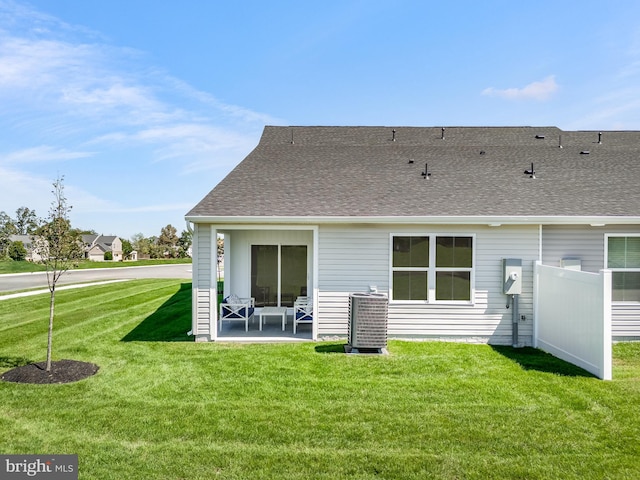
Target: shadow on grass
x,y
169,323
330,348
533,359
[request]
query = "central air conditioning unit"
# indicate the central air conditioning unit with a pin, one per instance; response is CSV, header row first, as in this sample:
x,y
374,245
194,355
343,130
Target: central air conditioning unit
x,y
368,313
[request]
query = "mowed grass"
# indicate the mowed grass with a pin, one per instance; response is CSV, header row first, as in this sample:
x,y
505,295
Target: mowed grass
x,y
163,407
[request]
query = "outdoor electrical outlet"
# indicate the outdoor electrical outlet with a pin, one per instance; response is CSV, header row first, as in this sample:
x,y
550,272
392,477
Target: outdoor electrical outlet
x,y
523,318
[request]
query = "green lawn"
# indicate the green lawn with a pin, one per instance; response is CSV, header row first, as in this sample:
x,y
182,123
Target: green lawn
x,y
9,266
162,407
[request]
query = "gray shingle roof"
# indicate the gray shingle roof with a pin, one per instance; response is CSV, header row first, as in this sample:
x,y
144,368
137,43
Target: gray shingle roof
x,y
475,171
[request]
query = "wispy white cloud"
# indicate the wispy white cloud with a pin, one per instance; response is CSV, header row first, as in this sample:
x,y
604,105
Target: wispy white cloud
x,y
17,186
68,94
98,91
235,111
617,109
42,153
541,90
23,188
200,146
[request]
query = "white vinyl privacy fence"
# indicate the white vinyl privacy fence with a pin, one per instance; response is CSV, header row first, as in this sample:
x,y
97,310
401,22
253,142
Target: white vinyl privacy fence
x,y
573,317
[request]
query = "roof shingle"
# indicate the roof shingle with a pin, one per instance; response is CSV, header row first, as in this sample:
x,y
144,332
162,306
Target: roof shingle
x,y
475,171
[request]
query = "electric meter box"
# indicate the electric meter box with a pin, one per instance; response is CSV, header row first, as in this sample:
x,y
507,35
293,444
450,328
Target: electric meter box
x,y
512,276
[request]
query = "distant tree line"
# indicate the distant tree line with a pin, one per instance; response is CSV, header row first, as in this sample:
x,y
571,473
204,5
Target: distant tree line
x,y
167,245
25,222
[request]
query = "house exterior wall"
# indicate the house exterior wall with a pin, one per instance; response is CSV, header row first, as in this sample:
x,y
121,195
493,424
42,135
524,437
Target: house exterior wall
x,y
116,249
588,244
351,258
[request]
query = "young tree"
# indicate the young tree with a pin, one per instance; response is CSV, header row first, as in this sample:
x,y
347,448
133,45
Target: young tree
x,y
59,246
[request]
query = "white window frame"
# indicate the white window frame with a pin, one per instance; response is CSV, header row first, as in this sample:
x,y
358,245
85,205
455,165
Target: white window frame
x,y
432,269
607,236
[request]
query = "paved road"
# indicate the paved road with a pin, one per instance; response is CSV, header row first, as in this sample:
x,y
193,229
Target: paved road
x,y
23,281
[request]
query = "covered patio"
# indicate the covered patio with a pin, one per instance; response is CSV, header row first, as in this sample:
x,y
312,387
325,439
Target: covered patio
x,y
274,267
271,331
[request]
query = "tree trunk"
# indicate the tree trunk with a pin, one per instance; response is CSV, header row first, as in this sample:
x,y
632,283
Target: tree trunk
x,y
50,337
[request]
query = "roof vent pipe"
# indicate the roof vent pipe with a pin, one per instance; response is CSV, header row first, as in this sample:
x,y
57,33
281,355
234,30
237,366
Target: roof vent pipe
x,y
560,141
426,173
442,137
531,173
393,133
599,138
292,142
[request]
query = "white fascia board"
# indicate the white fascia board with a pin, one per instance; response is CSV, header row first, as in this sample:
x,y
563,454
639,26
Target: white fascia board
x,y
451,220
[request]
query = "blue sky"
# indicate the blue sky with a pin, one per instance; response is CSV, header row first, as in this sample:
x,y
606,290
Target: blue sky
x,y
145,105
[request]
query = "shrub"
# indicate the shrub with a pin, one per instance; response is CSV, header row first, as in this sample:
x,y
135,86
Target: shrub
x,y
17,251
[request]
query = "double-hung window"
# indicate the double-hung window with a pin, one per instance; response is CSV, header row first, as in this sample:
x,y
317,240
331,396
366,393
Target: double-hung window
x,y
432,268
410,265
623,258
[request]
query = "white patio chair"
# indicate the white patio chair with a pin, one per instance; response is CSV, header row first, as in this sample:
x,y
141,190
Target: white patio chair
x,y
302,312
236,309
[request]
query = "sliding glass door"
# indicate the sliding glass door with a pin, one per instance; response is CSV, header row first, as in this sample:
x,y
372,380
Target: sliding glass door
x,y
278,274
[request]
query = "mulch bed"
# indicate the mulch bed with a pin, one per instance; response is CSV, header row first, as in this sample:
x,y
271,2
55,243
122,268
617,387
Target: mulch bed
x,y
62,371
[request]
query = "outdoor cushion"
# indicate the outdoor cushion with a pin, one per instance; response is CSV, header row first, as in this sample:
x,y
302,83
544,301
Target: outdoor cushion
x,y
229,312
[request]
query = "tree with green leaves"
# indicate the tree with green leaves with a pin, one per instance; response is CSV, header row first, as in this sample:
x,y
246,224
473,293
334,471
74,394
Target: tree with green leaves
x,y
6,230
26,221
219,255
184,243
16,251
127,249
59,247
168,241
141,244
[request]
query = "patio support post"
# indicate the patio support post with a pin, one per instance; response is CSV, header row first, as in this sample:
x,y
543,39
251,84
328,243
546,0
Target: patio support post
x,y
213,299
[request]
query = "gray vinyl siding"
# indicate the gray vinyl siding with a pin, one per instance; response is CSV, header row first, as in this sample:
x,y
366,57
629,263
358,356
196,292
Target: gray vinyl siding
x,y
350,259
202,275
353,258
587,243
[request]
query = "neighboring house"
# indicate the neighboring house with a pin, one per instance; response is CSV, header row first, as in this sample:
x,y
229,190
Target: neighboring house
x,y
95,246
27,241
425,215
